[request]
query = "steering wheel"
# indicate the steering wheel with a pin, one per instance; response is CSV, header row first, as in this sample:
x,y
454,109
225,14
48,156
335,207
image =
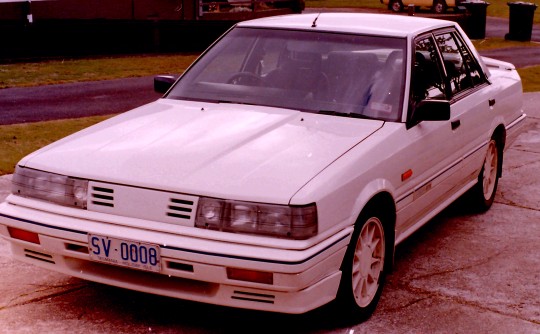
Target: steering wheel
x,y
246,79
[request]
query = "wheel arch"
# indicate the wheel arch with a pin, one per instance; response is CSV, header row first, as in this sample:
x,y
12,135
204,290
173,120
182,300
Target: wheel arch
x,y
383,204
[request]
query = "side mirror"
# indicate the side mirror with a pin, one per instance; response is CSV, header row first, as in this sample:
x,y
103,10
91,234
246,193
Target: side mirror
x,y
429,110
162,83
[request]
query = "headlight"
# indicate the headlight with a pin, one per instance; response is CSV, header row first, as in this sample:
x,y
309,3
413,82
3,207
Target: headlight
x,y
294,222
50,187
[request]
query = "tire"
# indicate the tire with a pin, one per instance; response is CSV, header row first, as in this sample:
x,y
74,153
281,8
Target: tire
x,y
396,6
363,270
485,189
439,7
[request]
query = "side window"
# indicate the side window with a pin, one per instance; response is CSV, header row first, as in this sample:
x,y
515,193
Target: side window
x,y
461,69
426,79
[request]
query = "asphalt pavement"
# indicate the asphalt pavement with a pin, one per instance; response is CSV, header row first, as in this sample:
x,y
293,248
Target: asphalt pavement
x,y
49,102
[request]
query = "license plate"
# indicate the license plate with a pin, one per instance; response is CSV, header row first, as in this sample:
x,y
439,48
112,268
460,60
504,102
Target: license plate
x,y
124,253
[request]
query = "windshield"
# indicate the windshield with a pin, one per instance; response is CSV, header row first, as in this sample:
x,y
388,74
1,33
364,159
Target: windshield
x,y
338,74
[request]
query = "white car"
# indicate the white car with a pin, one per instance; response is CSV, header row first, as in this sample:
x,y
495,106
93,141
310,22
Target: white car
x,y
281,169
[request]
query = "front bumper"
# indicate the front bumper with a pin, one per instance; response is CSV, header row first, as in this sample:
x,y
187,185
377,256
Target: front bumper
x,y
191,268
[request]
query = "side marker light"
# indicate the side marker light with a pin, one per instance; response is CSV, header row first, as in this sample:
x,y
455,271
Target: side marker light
x,y
405,176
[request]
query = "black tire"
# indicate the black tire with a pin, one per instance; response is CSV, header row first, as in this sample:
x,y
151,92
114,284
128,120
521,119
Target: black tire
x,y
395,6
363,269
483,193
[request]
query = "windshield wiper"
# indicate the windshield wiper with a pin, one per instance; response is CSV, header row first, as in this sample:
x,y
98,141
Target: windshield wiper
x,y
344,114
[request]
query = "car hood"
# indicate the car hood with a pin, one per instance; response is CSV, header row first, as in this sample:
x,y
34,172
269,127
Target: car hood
x,y
220,150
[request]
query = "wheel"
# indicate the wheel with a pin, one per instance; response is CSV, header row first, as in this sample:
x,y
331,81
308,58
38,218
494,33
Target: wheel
x,y
486,187
245,78
439,7
363,269
396,6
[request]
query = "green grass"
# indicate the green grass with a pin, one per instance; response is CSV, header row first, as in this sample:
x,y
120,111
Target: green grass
x,y
77,70
530,76
498,43
21,139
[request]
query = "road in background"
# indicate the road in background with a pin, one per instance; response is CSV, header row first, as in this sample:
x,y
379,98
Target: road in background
x,y
34,104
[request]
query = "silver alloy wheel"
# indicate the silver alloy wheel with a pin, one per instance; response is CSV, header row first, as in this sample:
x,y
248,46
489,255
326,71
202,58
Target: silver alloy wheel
x,y
489,177
368,262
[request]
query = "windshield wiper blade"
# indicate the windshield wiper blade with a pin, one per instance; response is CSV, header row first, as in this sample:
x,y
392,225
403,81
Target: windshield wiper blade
x,y
237,102
343,114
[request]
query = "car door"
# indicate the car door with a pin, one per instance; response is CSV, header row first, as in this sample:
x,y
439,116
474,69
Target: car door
x,y
431,174
472,100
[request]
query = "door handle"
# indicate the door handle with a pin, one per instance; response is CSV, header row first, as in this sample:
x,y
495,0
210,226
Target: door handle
x,y
455,124
491,102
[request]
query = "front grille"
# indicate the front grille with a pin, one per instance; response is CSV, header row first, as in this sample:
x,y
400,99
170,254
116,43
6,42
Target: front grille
x,y
253,297
179,208
38,256
142,203
102,196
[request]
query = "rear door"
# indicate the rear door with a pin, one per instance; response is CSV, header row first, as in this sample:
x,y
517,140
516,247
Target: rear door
x,y
472,98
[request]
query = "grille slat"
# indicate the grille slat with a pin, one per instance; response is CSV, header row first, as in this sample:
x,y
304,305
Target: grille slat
x,y
103,196
179,208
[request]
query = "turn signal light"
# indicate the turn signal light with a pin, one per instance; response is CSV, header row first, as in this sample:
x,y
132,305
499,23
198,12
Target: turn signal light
x,y
263,277
28,236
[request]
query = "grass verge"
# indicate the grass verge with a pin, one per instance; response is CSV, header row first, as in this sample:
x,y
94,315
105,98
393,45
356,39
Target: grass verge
x,y
77,70
530,77
21,139
500,43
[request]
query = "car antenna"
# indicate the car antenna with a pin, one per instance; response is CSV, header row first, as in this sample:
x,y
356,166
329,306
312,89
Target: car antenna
x,y
314,24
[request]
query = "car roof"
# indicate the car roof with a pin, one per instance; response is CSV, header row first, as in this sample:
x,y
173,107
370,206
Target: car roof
x,y
371,24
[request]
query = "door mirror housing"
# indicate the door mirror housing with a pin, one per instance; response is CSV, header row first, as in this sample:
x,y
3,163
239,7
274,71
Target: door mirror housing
x,y
429,110
162,83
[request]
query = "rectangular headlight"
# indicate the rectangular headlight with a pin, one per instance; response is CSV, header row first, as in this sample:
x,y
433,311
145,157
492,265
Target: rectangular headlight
x,y
55,188
285,221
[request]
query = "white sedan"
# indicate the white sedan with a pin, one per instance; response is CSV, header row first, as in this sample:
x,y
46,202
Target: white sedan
x,y
281,169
